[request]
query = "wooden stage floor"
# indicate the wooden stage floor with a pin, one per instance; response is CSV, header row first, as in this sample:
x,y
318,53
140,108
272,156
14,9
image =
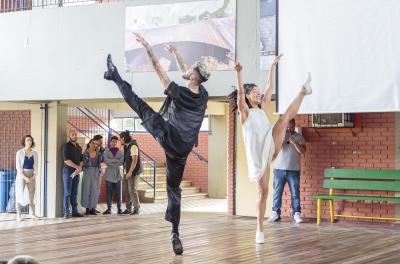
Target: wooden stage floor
x,y
207,238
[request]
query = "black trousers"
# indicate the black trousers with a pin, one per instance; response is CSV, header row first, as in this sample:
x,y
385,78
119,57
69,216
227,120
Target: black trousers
x,y
176,151
113,187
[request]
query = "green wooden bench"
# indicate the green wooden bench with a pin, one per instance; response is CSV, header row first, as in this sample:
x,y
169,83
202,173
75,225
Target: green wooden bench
x,y
358,179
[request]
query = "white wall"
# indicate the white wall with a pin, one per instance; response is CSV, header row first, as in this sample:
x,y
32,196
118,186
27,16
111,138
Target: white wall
x,y
59,53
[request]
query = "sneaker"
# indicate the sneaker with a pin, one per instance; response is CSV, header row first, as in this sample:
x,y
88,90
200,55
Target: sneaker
x,y
19,218
107,212
259,237
275,217
297,218
119,211
307,85
77,215
126,212
176,244
93,212
136,211
34,217
96,211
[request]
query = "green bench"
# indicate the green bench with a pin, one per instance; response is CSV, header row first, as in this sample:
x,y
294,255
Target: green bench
x,y
358,179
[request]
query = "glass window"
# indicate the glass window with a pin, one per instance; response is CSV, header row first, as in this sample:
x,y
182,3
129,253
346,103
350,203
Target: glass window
x,y
116,124
138,125
129,124
204,125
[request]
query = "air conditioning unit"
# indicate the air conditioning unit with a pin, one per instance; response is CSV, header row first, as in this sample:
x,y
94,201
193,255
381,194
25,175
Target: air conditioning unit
x,y
332,120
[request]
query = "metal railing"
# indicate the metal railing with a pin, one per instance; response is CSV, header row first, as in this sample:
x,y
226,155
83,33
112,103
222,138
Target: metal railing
x,y
199,156
90,122
22,5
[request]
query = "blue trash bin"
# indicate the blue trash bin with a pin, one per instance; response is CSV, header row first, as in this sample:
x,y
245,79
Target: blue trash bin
x,y
7,178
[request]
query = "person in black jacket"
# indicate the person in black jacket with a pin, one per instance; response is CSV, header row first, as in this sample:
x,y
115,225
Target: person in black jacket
x,y
132,169
183,110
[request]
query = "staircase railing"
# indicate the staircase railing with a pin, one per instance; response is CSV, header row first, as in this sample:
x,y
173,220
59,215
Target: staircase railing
x,y
199,156
88,123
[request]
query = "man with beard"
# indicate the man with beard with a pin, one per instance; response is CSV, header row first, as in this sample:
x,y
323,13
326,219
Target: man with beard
x,y
183,109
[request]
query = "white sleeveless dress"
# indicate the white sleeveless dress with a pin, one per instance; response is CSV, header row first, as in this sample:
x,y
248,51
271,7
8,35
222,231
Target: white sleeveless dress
x,y
259,143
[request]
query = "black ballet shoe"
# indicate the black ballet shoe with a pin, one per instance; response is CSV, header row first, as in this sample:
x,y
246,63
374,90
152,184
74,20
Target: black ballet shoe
x,y
111,69
176,244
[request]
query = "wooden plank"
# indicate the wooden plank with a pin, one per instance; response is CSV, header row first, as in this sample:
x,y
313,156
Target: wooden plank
x,y
207,238
357,198
362,185
362,174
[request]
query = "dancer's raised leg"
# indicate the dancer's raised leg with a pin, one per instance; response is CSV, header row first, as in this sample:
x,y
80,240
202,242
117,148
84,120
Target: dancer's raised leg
x,y
279,129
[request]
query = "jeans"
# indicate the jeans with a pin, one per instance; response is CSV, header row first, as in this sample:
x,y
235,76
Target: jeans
x,y
111,188
70,187
280,179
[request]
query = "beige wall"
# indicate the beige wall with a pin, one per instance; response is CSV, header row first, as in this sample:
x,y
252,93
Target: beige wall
x,y
246,191
218,156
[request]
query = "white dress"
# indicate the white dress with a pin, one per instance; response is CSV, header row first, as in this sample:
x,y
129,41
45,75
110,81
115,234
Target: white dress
x,y
259,143
21,193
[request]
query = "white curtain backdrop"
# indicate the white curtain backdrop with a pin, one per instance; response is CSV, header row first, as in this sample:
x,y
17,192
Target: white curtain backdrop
x,y
351,48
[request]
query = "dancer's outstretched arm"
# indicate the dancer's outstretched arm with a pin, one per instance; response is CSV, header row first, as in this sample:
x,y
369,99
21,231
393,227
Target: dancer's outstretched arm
x,y
270,84
241,96
183,67
154,60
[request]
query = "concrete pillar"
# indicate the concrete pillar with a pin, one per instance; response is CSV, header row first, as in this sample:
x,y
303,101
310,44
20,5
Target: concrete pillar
x,y
57,137
218,156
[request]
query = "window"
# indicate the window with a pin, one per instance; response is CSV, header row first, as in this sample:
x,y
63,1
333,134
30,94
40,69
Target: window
x,y
205,124
117,124
131,124
138,125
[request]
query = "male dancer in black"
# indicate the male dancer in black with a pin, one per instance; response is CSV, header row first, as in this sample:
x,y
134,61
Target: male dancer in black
x,y
183,110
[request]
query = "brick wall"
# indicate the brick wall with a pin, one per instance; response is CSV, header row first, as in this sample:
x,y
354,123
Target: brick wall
x,y
231,163
13,126
373,147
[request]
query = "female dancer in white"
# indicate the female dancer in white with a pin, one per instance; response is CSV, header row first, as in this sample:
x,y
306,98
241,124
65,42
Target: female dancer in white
x,y
262,140
27,163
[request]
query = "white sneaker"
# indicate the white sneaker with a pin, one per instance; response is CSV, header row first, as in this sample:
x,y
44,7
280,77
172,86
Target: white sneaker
x,y
259,237
307,85
275,217
19,218
297,218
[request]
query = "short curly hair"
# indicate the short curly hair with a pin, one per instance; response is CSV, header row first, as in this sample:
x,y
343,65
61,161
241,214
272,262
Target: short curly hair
x,y
23,141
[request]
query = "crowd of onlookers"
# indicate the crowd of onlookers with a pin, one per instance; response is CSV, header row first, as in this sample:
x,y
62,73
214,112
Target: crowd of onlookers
x,y
119,165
